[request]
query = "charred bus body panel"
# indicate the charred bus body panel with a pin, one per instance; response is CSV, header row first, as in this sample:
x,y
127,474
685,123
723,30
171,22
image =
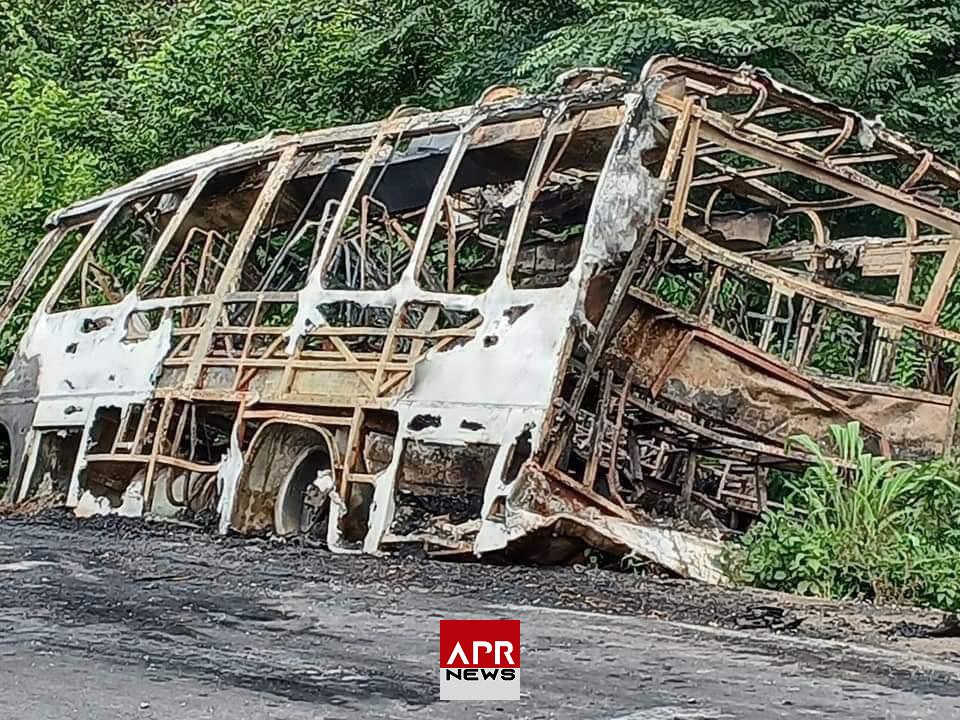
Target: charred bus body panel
x,y
531,317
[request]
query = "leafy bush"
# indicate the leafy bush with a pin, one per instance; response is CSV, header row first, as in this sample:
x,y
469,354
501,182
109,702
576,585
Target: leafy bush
x,y
860,526
93,92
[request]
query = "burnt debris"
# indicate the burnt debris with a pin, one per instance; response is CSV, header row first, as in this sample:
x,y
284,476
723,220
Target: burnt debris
x,y
535,316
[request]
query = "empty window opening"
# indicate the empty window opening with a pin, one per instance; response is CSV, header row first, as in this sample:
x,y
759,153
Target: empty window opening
x,y
104,431
709,197
32,295
736,104
949,315
371,323
198,432
56,456
788,120
375,243
867,283
741,307
194,259
800,188
682,283
138,428
188,316
112,266
289,241
778,325
851,222
467,241
550,245
787,231
130,427
277,315
657,256
926,268
141,323
925,362
237,314
840,347
893,172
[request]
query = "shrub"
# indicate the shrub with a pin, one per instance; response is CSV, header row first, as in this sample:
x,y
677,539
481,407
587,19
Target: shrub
x,y
855,525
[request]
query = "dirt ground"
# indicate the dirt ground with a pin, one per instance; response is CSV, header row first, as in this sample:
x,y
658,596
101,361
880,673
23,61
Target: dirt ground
x,y
120,618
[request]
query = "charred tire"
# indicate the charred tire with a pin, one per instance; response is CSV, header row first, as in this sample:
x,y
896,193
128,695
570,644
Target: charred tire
x,y
301,507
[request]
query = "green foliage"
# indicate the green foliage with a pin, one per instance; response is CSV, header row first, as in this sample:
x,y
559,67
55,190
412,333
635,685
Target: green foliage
x,y
860,526
917,354
93,92
237,69
883,56
837,349
684,292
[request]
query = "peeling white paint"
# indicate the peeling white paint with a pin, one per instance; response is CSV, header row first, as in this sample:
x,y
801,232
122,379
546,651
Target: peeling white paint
x,y
504,378
131,504
686,554
488,390
98,362
228,475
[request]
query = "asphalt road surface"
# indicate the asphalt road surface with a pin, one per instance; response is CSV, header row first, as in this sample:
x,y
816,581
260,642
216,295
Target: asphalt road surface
x,y
110,621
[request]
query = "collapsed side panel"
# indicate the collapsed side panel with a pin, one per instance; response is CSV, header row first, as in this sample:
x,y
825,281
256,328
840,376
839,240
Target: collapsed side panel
x,y
756,306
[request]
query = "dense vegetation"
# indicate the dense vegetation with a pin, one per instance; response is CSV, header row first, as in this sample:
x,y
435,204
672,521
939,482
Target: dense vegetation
x,y
93,92
865,527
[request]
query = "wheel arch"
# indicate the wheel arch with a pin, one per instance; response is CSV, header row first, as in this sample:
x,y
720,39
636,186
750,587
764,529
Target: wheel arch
x,y
276,448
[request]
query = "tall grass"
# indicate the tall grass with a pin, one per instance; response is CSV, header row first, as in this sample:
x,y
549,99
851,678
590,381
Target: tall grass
x,y
860,526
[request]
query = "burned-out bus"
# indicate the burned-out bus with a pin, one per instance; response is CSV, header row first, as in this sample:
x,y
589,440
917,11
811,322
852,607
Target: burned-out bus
x,y
590,318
